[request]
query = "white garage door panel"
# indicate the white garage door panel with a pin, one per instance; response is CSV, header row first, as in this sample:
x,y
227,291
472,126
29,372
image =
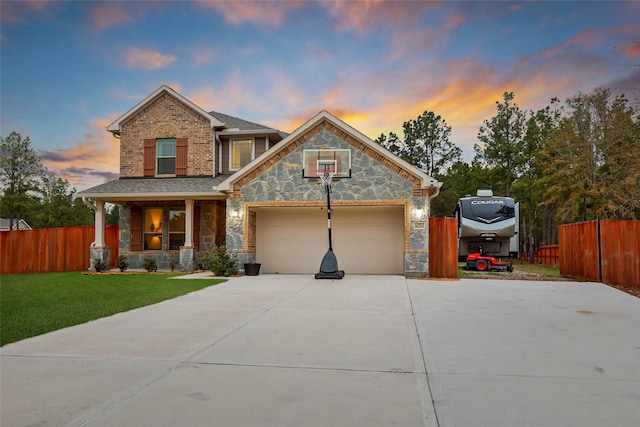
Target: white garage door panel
x,y
286,239
366,240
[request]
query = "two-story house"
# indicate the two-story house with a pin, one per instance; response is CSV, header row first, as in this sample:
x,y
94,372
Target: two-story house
x,y
191,180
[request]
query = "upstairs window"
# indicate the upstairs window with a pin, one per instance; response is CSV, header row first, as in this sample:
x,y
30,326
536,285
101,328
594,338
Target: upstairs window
x,y
166,156
241,153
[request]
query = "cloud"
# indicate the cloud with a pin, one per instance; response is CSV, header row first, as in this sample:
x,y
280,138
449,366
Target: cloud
x,y
18,13
141,58
589,38
203,55
271,13
226,97
455,21
90,160
108,15
632,50
368,15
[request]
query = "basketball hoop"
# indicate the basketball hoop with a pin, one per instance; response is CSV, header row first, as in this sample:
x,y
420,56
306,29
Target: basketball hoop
x,y
326,177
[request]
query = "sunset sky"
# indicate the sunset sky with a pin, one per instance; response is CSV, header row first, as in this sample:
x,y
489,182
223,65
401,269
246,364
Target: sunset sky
x,y
70,68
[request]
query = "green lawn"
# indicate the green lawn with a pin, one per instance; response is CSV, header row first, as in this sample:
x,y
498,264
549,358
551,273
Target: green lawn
x,y
33,304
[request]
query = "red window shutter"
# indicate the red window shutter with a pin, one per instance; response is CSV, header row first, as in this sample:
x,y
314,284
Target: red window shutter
x,y
149,157
181,156
136,228
196,226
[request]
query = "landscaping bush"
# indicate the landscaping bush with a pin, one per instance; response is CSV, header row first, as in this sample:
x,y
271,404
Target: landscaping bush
x,y
122,263
150,264
99,265
173,262
220,262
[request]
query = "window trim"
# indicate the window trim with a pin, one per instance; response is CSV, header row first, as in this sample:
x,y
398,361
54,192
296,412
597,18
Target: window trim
x,y
253,152
170,232
162,229
174,157
152,233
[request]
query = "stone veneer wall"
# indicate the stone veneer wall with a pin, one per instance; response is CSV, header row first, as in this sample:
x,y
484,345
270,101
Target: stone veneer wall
x,y
371,181
166,117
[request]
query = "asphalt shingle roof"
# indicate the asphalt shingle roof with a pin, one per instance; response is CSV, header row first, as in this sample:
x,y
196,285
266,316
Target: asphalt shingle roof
x,y
235,122
160,186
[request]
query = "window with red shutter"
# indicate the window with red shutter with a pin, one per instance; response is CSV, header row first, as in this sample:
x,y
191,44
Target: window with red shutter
x,y
149,157
181,157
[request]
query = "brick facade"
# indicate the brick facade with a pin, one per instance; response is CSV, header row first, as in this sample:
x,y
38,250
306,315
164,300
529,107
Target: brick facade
x,y
166,117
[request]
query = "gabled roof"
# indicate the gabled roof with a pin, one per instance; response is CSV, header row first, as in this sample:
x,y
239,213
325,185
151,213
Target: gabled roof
x,y
116,126
238,126
427,182
17,225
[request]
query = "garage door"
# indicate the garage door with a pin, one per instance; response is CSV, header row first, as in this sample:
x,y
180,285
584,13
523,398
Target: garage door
x,y
366,240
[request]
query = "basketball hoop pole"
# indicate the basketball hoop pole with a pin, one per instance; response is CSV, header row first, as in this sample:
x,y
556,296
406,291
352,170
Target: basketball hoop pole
x,y
327,188
329,266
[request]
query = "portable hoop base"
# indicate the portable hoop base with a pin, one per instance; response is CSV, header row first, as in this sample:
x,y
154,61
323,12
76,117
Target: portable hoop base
x,y
329,267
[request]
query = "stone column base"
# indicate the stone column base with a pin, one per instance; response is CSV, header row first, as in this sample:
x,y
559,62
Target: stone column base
x,y
103,253
187,254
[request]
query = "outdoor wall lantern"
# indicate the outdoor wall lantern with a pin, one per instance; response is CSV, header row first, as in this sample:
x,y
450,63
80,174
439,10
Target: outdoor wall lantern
x,y
235,213
419,213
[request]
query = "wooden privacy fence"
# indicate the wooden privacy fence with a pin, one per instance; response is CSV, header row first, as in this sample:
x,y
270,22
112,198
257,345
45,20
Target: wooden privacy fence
x,y
601,251
547,255
52,249
443,248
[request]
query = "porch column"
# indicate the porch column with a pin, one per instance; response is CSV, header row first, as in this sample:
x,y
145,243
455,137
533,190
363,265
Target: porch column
x,y
188,231
99,228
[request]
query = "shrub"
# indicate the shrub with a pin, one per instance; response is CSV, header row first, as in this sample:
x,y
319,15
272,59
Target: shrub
x,y
220,262
173,262
122,263
149,264
100,265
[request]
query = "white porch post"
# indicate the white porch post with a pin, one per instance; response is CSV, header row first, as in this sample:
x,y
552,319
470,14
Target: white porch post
x,y
188,232
99,228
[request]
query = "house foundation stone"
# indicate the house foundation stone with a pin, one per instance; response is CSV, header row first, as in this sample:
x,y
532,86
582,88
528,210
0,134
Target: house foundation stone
x,y
103,253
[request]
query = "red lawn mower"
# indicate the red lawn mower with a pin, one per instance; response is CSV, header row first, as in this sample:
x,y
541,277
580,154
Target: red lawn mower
x,y
480,262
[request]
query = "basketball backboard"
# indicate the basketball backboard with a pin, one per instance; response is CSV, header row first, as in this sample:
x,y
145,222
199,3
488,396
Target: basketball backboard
x,y
336,161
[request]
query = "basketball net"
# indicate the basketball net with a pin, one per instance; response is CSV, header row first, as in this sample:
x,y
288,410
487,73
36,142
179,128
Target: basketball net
x,y
326,177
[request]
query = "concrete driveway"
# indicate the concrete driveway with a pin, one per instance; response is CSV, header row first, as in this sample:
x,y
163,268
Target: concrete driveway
x,y
288,350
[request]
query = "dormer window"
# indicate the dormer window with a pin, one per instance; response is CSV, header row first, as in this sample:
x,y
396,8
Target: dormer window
x,y
166,156
241,153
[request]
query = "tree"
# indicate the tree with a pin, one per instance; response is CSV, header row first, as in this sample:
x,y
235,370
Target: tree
x,y
426,144
503,138
592,170
528,189
56,206
112,214
460,180
20,172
